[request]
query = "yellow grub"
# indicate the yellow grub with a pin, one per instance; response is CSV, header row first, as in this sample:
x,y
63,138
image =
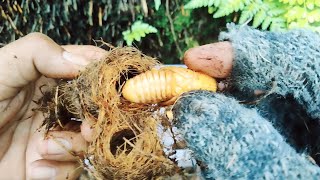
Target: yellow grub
x,y
165,85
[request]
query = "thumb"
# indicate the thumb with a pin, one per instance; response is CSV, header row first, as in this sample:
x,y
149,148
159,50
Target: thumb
x,y
28,58
212,59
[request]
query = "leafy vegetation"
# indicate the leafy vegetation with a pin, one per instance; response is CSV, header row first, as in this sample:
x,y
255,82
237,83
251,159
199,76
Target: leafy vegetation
x,y
160,28
266,14
82,22
137,31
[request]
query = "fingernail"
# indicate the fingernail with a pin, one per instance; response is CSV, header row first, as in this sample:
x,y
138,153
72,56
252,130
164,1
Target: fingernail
x,y
43,173
75,59
58,146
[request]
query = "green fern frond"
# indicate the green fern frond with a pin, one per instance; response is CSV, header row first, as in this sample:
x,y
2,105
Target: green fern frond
x,y
298,24
237,5
259,18
193,4
266,23
222,11
291,2
310,4
245,16
228,7
249,11
216,3
267,14
300,2
284,1
314,16
295,13
277,24
137,31
276,11
212,9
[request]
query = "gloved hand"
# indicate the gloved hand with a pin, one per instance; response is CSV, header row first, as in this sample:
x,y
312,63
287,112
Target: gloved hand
x,y
234,141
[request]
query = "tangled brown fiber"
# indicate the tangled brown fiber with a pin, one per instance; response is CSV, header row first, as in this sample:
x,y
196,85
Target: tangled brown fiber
x,y
126,144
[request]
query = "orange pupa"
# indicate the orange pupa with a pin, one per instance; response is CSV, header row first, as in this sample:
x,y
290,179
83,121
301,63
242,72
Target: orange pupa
x,y
164,85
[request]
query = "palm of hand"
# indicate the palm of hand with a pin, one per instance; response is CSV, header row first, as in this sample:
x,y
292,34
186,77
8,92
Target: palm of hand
x,y
21,141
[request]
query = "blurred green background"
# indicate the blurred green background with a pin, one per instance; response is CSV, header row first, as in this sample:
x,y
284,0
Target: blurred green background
x,y
82,22
160,28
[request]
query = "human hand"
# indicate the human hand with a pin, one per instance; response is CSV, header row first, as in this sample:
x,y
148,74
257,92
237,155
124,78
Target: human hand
x,y
25,66
235,142
282,64
212,59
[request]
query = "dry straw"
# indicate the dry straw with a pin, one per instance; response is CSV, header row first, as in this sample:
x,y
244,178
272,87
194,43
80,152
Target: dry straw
x,y
126,144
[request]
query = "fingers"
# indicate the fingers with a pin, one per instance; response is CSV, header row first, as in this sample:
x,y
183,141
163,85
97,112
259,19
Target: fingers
x,y
62,146
45,169
88,51
212,59
24,60
37,53
50,158
87,131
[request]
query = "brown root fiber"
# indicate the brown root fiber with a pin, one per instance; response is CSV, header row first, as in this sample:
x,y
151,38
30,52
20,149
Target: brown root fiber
x,y
126,144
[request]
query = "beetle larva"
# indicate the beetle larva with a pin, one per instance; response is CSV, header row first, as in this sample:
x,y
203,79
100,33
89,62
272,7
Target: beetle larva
x,y
165,85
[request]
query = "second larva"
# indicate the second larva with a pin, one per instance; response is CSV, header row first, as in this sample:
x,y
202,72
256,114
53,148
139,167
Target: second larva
x,y
165,85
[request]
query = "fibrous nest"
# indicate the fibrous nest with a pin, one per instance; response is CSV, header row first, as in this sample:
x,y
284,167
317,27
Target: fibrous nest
x,y
126,144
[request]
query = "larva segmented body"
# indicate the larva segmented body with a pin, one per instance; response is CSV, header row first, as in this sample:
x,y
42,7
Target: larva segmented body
x,y
165,85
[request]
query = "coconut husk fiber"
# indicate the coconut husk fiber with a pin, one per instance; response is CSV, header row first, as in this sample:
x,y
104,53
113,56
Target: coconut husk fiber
x,y
126,144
